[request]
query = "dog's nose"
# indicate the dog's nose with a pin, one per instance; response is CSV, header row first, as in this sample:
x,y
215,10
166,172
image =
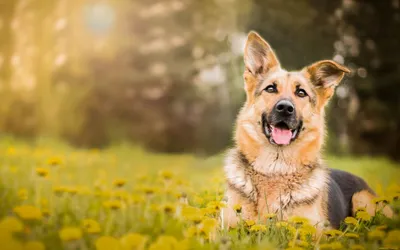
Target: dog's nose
x,y
284,107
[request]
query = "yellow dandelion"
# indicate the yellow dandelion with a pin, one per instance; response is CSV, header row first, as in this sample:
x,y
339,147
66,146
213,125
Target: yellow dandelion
x,y
54,161
169,208
8,242
113,204
392,239
192,214
208,225
59,190
11,225
269,216
149,190
294,248
22,194
282,224
237,208
357,247
34,245
70,233
166,242
362,215
381,227
107,243
167,175
133,241
217,205
333,233
352,235
27,212
298,220
307,229
42,172
258,228
91,226
378,200
191,232
350,221
376,235
333,245
299,243
250,223
119,183
198,200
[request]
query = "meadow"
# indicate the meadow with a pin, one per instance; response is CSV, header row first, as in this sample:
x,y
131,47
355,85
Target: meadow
x,y
54,196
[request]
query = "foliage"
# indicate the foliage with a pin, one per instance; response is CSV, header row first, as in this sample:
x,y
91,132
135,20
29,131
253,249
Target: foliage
x,y
122,197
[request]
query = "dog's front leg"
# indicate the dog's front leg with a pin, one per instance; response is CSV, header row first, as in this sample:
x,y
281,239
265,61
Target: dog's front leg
x,y
231,214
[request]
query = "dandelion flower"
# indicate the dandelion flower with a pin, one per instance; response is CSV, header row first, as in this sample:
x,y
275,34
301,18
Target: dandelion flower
x,y
208,225
113,204
70,233
298,220
333,233
258,228
269,216
23,194
392,239
217,205
42,172
91,226
169,208
167,175
237,208
378,200
350,221
357,247
295,248
250,223
362,215
352,235
27,212
107,243
54,161
376,235
34,245
119,183
133,241
11,225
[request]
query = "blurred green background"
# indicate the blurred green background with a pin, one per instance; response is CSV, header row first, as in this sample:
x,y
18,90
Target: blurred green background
x,y
167,74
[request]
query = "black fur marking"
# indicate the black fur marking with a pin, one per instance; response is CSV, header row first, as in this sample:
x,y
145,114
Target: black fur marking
x,y
342,187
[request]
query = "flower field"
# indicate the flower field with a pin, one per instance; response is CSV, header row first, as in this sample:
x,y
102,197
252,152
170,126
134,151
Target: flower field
x,y
57,197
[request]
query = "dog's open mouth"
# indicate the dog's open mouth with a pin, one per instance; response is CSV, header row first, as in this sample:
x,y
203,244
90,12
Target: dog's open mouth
x,y
280,133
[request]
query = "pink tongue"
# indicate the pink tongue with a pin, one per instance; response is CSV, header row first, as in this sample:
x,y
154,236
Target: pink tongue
x,y
281,136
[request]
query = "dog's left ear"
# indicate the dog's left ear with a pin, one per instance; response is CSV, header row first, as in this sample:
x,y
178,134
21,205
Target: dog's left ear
x,y
325,76
326,73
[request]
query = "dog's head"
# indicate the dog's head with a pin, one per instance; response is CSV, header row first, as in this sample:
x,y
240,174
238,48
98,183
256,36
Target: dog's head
x,y
285,106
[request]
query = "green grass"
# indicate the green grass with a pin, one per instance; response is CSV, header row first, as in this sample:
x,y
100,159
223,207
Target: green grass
x,y
126,198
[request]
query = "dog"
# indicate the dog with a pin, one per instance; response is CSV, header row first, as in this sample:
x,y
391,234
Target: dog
x,y
276,165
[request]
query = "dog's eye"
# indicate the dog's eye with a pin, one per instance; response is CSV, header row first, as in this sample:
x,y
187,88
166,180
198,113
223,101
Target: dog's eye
x,y
271,89
301,93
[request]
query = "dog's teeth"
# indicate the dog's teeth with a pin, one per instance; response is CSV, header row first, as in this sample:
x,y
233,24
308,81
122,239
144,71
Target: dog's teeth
x,y
294,133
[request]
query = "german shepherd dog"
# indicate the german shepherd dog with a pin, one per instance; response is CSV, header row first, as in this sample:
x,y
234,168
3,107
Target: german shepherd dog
x,y
276,165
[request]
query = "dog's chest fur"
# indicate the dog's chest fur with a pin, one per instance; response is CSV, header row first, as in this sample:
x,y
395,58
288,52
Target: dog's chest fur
x,y
273,192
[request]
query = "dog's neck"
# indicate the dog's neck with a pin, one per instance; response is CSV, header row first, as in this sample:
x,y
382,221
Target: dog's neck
x,y
271,159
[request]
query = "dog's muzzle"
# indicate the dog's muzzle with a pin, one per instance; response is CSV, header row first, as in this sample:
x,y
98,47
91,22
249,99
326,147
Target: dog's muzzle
x,y
281,126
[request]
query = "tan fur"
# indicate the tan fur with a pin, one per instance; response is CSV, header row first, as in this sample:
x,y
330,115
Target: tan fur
x,y
287,180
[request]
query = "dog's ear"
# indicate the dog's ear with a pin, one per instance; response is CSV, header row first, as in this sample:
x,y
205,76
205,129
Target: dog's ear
x,y
326,73
258,55
325,76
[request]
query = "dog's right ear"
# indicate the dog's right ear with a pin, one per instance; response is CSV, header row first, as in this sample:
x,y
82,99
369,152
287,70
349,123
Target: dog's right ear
x,y
258,55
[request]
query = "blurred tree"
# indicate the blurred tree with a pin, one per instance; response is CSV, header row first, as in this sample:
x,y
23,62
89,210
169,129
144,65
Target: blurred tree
x,y
368,42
